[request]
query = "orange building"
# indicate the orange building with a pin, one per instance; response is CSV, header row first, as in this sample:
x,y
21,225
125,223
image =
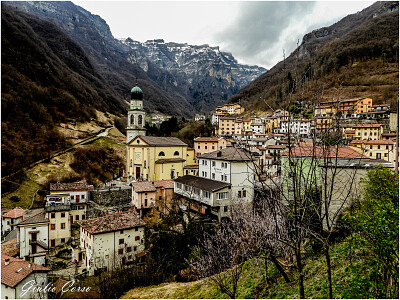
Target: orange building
x,y
204,145
226,126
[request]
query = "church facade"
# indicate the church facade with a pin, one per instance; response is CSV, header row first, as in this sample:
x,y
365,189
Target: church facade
x,y
150,157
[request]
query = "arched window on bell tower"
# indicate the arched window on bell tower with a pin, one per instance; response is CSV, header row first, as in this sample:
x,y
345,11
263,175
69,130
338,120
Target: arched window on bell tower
x,y
132,119
140,120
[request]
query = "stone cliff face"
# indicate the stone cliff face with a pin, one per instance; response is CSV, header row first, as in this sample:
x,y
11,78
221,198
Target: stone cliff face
x,y
179,79
204,73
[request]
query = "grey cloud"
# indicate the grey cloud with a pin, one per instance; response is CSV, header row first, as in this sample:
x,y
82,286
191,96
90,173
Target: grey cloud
x,y
259,26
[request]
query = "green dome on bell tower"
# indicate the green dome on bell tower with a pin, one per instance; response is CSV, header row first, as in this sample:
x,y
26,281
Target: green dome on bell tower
x,y
136,93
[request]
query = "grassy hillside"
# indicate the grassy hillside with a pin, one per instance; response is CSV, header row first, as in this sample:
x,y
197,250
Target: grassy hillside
x,y
349,268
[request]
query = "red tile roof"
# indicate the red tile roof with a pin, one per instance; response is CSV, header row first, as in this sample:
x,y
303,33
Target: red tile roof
x,y
317,151
15,213
143,186
367,126
112,222
17,270
10,248
166,184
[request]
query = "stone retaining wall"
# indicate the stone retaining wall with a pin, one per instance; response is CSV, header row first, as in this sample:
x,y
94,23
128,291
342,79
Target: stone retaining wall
x,y
112,196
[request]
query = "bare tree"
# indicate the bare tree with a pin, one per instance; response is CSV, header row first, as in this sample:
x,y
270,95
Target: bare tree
x,y
220,258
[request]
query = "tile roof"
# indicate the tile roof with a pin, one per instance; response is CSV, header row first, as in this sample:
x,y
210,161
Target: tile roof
x,y
70,186
207,139
15,213
317,151
373,142
367,126
202,183
17,270
143,186
350,131
276,147
34,217
162,141
59,284
166,184
191,167
112,222
169,160
229,154
10,248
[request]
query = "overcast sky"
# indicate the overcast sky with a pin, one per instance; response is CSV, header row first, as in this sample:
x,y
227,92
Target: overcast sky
x,y
254,32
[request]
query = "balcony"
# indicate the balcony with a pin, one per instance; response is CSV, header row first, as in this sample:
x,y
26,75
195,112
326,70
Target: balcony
x,y
59,207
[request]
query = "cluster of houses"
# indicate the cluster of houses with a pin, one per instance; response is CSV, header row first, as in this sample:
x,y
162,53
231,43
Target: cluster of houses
x,y
164,172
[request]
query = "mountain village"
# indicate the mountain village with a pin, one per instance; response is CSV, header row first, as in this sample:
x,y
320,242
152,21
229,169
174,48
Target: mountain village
x,y
86,229
169,170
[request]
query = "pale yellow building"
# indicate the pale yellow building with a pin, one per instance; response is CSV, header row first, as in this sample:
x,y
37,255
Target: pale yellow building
x,y
368,131
376,149
324,111
157,158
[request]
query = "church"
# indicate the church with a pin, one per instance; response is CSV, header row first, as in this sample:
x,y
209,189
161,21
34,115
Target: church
x,y
150,157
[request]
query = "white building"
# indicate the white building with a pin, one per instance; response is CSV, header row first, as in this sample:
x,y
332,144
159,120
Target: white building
x,y
199,117
10,219
111,240
257,127
231,165
17,275
298,127
79,196
33,236
215,118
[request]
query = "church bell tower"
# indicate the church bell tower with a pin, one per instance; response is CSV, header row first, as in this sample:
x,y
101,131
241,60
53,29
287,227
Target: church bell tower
x,y
136,115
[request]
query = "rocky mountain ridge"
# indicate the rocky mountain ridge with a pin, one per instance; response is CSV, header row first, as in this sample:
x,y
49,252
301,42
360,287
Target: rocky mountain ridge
x,y
178,79
195,68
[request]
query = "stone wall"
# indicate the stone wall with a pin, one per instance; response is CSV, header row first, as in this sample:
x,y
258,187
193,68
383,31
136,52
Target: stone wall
x,y
112,196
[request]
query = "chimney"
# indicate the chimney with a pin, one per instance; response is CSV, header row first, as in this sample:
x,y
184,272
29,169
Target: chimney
x,y
7,261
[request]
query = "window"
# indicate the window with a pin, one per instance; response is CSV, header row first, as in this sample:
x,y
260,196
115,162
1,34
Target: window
x,y
52,226
83,217
52,243
213,175
121,241
137,238
81,207
120,251
77,217
161,153
205,147
176,153
134,248
144,164
239,194
136,228
62,215
206,194
140,119
62,225
129,249
378,156
244,193
63,240
53,215
222,196
379,146
72,197
213,163
225,208
132,119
